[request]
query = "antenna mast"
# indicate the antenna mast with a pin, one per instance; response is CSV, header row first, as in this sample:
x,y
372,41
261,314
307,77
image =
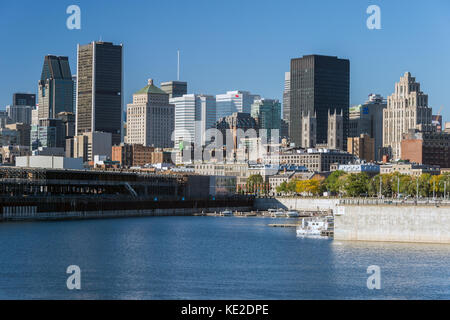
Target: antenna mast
x,y
178,66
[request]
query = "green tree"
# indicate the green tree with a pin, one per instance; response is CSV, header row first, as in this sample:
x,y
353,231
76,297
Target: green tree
x,y
333,183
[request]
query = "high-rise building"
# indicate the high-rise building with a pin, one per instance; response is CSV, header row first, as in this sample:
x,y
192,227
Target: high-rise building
x,y
336,130
318,84
407,108
150,118
367,118
74,81
55,87
363,147
309,131
174,88
234,101
286,97
88,145
23,132
99,89
24,99
19,114
49,133
267,113
231,124
68,120
194,114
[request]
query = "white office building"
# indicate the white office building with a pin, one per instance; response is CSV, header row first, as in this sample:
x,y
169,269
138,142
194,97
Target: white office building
x,y
194,114
234,101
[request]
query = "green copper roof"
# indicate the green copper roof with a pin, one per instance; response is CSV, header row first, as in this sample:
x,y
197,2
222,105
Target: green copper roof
x,y
150,88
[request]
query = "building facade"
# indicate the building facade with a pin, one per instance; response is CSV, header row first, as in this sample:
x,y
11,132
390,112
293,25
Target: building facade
x,y
267,113
335,126
318,84
150,118
174,88
363,147
407,108
234,101
317,160
99,89
309,130
430,148
55,92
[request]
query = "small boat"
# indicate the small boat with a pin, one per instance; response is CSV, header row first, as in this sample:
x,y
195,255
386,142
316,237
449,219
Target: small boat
x,y
226,213
292,214
311,227
278,214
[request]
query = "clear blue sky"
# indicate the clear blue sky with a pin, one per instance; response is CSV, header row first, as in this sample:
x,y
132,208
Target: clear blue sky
x,y
228,45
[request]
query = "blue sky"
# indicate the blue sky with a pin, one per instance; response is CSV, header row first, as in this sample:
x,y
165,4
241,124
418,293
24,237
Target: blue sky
x,y
228,45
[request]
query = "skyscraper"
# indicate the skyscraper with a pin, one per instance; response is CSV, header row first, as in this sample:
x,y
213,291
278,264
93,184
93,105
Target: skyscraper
x,y
99,89
194,114
286,97
55,87
267,113
318,84
150,118
234,101
174,88
407,108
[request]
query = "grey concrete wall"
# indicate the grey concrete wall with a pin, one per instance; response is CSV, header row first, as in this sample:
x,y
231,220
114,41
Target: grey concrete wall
x,y
298,203
407,223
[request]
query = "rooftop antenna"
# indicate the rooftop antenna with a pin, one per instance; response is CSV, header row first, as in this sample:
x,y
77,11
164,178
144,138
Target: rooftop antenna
x,y
178,67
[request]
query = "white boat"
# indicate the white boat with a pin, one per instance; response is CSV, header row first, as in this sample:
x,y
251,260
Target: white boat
x,y
311,227
292,214
226,213
278,214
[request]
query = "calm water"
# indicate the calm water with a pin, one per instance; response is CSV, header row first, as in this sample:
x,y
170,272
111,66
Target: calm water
x,y
208,258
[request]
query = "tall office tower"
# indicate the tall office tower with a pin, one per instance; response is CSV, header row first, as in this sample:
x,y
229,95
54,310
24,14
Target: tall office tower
x,y
174,88
336,130
150,118
234,101
407,108
367,118
286,97
99,89
68,119
194,114
309,130
74,81
19,114
318,84
24,99
55,87
49,133
267,113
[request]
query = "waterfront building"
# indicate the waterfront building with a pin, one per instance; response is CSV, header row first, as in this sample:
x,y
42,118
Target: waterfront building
x,y
317,160
50,133
150,118
363,147
431,148
335,130
194,114
407,108
286,101
55,88
367,118
267,113
234,101
408,168
174,88
23,130
318,84
49,162
371,169
19,114
99,89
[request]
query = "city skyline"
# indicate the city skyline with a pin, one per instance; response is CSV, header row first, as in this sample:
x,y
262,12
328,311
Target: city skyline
x,y
254,68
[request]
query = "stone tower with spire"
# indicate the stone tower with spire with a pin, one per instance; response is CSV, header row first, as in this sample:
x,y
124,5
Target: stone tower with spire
x,y
309,130
335,130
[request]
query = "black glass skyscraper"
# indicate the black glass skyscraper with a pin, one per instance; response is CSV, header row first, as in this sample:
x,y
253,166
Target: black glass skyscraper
x,y
318,84
99,89
55,87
